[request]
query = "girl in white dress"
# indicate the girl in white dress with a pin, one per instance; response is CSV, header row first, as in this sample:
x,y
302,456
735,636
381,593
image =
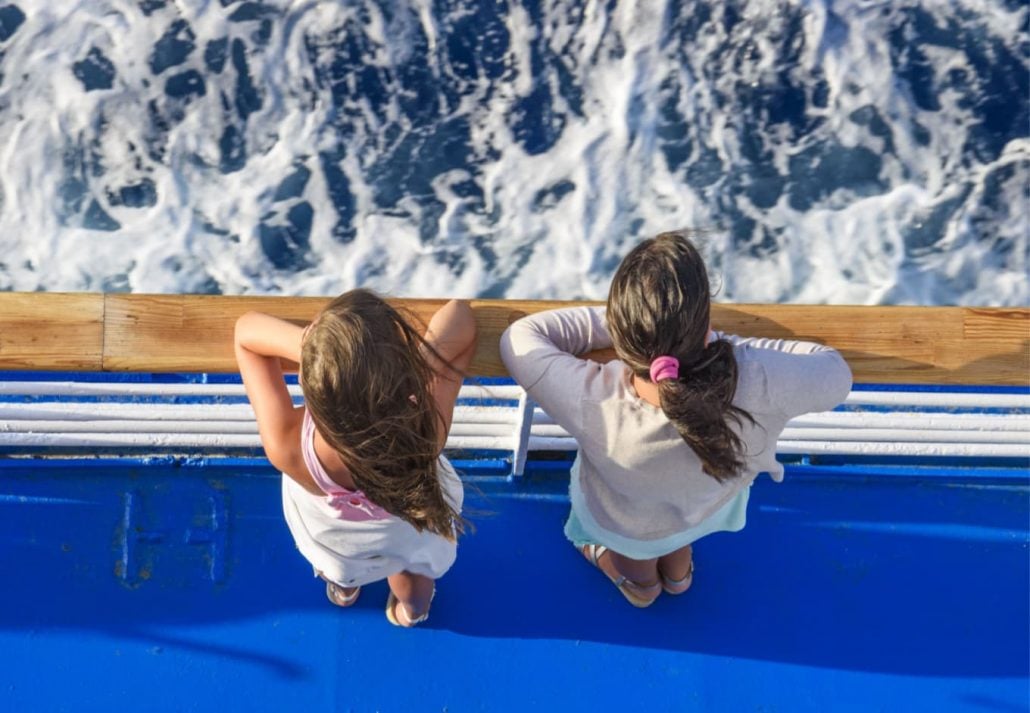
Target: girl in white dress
x,y
367,493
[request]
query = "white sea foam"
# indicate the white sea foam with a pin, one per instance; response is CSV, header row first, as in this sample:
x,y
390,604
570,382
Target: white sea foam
x,y
935,222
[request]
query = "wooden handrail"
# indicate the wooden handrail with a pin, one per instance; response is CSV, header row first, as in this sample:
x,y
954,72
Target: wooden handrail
x,y
193,333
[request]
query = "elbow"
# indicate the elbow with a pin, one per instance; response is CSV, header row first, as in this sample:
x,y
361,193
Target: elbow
x,y
844,379
240,331
468,319
506,348
469,331
514,354
457,309
453,332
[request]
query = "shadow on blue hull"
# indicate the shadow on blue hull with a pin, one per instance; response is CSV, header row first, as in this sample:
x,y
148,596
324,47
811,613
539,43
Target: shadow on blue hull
x,y
180,587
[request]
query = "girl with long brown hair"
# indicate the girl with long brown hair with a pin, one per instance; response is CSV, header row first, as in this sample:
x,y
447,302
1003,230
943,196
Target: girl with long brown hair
x,y
674,431
367,493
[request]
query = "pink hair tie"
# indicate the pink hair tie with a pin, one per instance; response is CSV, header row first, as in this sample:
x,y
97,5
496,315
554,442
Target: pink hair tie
x,y
665,367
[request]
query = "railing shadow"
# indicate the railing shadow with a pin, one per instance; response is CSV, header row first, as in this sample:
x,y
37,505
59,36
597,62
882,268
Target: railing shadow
x,y
878,576
895,576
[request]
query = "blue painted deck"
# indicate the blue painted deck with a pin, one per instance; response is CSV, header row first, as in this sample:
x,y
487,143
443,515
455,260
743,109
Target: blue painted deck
x,y
177,587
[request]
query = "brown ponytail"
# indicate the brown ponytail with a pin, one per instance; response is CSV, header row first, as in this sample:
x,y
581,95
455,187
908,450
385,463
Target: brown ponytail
x,y
659,305
368,386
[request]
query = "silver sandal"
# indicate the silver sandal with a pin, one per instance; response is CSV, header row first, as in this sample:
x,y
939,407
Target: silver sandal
x,y
392,602
677,586
625,585
338,596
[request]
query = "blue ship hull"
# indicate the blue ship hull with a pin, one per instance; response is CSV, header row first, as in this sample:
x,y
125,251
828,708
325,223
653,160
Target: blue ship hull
x,y
174,585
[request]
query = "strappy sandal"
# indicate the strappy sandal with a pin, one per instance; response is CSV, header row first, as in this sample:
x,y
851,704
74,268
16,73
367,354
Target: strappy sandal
x,y
593,553
677,586
339,595
395,610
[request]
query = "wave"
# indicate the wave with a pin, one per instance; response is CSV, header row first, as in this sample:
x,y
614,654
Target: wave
x,y
868,152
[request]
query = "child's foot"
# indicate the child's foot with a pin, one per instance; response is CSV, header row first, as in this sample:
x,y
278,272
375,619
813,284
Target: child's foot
x,y
638,594
398,614
341,596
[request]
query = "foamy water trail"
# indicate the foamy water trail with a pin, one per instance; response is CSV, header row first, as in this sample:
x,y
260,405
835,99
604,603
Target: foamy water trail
x,y
862,152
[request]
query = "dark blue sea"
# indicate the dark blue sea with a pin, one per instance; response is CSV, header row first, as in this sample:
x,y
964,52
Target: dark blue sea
x,y
871,151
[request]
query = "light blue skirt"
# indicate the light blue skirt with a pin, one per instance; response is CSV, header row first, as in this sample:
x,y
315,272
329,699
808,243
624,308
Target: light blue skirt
x,y
582,529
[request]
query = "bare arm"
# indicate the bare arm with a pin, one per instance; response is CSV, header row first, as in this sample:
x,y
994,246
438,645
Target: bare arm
x,y
452,333
262,344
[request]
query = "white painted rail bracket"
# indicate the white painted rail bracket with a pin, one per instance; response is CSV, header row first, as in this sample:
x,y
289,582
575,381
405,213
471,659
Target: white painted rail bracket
x,y
523,429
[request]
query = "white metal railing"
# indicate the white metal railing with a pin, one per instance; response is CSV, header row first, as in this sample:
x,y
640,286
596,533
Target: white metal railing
x,y
145,415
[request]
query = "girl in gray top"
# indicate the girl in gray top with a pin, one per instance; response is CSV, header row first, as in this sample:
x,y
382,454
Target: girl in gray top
x,y
673,433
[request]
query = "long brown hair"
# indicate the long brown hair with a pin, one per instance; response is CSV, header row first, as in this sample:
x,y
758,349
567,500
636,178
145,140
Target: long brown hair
x,y
659,305
368,385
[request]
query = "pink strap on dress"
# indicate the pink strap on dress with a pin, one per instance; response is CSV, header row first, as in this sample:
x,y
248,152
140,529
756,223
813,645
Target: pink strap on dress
x,y
352,505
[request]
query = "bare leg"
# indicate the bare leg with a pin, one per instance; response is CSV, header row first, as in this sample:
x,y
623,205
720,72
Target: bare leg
x,y
637,579
676,569
641,572
414,593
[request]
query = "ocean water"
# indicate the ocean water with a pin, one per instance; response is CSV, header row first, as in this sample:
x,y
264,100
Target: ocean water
x,y
867,151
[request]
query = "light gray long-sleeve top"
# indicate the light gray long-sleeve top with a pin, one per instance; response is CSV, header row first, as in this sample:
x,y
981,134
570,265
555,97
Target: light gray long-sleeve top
x,y
638,477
